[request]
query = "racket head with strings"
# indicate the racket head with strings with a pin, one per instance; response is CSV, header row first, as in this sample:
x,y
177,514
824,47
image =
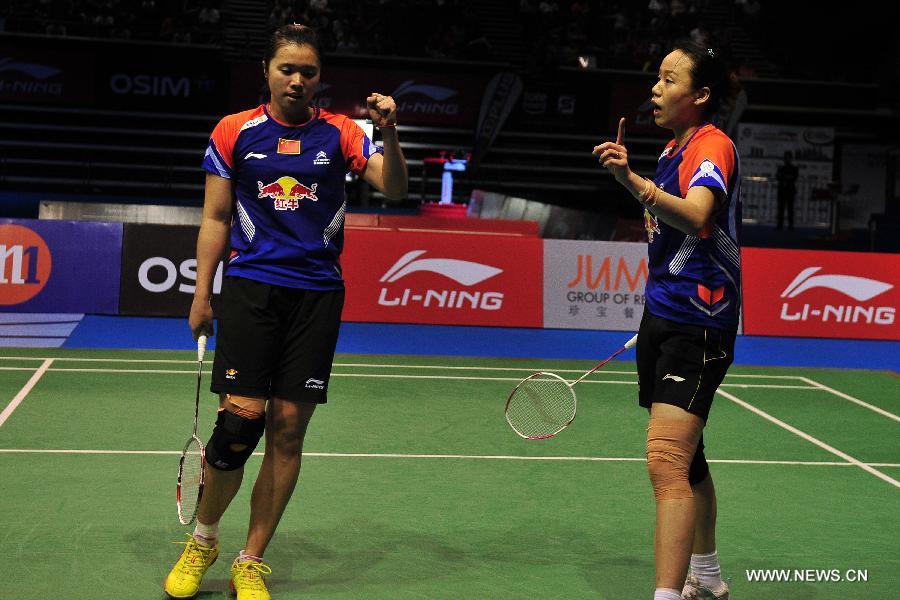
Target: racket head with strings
x,y
193,457
190,480
540,406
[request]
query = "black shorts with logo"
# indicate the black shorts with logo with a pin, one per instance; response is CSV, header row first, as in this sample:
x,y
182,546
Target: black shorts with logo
x,y
275,341
681,364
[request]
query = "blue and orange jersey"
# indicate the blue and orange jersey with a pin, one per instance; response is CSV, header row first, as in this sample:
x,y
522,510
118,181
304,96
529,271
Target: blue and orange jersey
x,y
697,279
288,181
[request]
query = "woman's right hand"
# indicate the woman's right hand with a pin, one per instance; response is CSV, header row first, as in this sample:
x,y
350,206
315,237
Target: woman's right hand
x,y
614,156
201,318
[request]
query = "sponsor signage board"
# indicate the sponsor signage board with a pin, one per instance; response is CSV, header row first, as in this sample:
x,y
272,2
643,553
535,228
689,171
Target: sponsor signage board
x,y
59,266
804,293
34,76
422,97
442,278
594,285
159,270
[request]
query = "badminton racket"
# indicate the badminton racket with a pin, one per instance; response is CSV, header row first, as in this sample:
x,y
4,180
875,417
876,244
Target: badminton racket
x,y
543,404
190,467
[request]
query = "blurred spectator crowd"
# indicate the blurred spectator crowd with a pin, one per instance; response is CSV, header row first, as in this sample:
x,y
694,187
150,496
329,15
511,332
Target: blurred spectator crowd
x,y
432,28
176,21
633,35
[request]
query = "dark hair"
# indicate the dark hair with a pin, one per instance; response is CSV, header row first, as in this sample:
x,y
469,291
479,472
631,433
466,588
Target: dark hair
x,y
292,33
709,69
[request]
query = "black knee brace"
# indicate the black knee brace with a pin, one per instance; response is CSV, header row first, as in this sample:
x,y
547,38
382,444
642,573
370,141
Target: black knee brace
x,y
699,467
232,429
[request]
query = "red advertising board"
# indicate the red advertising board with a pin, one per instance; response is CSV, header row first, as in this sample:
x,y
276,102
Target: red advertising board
x,y
443,278
804,293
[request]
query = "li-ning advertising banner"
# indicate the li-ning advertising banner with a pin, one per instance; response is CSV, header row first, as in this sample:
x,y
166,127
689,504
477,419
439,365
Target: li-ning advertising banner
x,y
422,97
594,285
802,293
59,266
442,278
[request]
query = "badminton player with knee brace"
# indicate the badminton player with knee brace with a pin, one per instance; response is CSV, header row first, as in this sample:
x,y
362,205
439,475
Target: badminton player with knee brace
x,y
692,214
275,193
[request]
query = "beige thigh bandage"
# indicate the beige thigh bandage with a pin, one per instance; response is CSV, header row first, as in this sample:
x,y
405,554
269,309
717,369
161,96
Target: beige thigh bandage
x,y
671,444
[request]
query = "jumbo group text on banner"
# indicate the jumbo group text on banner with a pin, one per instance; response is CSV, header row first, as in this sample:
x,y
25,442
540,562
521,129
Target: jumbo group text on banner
x,y
594,285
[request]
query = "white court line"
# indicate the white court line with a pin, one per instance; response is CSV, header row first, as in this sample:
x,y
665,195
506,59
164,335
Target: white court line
x,y
24,391
805,463
811,439
871,407
396,376
384,366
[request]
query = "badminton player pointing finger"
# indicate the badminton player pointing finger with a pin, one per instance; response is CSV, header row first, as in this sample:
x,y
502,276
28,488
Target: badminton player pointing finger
x,y
686,338
275,194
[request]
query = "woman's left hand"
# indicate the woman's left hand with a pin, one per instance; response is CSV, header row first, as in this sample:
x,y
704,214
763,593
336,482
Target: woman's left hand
x,y
614,156
382,110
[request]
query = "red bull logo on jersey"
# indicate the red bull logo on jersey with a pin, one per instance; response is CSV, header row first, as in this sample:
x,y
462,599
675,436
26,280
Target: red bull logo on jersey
x,y
651,225
287,192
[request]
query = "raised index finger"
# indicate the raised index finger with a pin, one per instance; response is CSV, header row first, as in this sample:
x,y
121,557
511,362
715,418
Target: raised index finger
x,y
621,126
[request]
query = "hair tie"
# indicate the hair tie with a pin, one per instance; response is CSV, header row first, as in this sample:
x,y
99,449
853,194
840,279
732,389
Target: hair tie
x,y
711,52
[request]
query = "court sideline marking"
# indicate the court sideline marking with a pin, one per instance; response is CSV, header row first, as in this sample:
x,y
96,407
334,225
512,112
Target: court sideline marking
x,y
810,438
732,461
862,403
45,366
398,376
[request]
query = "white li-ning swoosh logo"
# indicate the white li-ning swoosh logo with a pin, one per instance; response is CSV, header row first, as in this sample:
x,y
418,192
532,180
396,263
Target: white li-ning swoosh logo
x,y
858,288
460,271
254,155
674,378
435,92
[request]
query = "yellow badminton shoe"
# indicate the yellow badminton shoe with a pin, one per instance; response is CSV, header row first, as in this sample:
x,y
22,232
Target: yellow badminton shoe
x,y
183,581
247,580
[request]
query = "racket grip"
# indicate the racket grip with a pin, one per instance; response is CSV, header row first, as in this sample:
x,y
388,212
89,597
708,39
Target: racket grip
x,y
201,347
630,343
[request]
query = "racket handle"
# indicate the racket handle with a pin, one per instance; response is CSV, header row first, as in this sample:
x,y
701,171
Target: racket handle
x,y
201,347
630,343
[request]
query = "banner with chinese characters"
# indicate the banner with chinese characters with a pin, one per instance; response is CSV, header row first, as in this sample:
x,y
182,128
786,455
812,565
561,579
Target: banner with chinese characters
x,y
594,285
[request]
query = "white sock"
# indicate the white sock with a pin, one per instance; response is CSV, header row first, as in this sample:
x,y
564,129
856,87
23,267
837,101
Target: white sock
x,y
666,594
707,570
208,534
243,556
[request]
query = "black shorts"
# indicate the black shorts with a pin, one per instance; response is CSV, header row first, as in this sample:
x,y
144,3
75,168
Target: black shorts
x,y
680,364
274,341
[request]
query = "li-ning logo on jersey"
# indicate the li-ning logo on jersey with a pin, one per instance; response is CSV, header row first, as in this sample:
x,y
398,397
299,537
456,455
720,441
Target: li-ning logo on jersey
x,y
254,155
463,272
287,192
321,158
861,289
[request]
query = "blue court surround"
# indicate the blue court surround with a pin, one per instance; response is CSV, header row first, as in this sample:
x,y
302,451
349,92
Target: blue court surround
x,y
379,338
